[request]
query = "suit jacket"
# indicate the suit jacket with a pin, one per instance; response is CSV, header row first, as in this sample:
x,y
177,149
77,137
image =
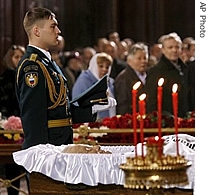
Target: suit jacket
x,y
171,75
191,85
117,67
123,90
42,95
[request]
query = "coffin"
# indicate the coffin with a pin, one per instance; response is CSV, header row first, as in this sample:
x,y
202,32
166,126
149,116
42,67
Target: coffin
x,y
53,172
41,184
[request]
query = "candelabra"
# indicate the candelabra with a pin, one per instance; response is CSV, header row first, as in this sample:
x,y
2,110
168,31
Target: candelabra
x,y
155,171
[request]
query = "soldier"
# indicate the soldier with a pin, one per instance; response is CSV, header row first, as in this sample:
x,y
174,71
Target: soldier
x,y
41,87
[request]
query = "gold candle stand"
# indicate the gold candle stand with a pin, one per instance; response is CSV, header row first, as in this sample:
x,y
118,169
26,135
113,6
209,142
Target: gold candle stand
x,y
155,171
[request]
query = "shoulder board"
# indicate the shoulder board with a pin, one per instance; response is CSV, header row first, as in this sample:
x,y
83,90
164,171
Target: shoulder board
x,y
33,57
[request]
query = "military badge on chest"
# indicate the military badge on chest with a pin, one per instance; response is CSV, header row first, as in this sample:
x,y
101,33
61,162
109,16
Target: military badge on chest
x,y
31,79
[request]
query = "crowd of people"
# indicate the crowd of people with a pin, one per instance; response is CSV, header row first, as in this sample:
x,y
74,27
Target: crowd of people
x,y
170,58
72,72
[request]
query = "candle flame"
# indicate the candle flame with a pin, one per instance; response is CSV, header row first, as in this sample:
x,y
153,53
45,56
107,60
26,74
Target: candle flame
x,y
160,82
174,88
142,97
136,85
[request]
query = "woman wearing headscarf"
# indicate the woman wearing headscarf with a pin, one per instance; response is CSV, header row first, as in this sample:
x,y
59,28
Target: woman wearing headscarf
x,y
99,66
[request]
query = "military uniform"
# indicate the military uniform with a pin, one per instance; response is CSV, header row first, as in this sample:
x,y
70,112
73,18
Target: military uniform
x,y
42,94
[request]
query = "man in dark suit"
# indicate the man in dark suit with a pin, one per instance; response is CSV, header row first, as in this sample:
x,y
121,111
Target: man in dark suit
x,y
173,70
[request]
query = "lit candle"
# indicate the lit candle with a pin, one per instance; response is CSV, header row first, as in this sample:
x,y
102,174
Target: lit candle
x,y
142,114
155,141
175,109
159,98
134,92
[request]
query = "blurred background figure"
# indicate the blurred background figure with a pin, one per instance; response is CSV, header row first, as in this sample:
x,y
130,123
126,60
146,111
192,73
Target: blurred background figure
x,y
73,63
135,71
8,102
113,36
154,54
72,68
57,52
155,50
191,85
13,56
129,42
188,51
99,45
86,55
59,56
122,50
118,65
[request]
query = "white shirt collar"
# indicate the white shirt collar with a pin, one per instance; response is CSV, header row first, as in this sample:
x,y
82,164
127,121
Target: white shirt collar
x,y
142,77
47,53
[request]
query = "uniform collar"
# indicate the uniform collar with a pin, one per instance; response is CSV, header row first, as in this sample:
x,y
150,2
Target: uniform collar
x,y
46,53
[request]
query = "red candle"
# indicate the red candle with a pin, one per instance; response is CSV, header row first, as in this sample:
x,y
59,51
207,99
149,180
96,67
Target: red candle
x,y
142,114
159,98
175,109
155,141
134,92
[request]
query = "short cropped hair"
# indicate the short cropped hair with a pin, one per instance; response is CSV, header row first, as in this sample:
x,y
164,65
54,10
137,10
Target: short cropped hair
x,y
34,15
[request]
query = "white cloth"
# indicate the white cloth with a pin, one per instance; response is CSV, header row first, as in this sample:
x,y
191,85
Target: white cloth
x,y
92,169
89,169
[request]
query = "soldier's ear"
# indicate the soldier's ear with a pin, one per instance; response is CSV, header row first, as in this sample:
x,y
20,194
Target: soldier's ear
x,y
36,31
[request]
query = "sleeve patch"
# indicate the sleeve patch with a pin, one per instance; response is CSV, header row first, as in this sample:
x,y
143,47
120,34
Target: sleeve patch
x,y
31,79
30,68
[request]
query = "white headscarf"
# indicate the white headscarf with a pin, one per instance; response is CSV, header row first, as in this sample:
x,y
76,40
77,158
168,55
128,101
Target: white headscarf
x,y
93,66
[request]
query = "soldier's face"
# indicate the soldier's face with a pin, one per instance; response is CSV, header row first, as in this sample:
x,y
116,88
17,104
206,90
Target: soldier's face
x,y
49,33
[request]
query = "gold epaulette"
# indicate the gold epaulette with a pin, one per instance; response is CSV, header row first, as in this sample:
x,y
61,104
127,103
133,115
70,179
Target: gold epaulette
x,y
56,98
33,57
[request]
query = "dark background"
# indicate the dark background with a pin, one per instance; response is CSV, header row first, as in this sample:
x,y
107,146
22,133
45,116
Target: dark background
x,y
83,21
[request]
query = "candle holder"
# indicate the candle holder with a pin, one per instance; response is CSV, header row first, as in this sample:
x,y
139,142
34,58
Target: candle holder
x,y
155,171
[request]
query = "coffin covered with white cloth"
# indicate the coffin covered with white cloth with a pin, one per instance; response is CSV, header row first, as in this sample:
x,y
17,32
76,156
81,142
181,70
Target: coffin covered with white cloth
x,y
92,169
